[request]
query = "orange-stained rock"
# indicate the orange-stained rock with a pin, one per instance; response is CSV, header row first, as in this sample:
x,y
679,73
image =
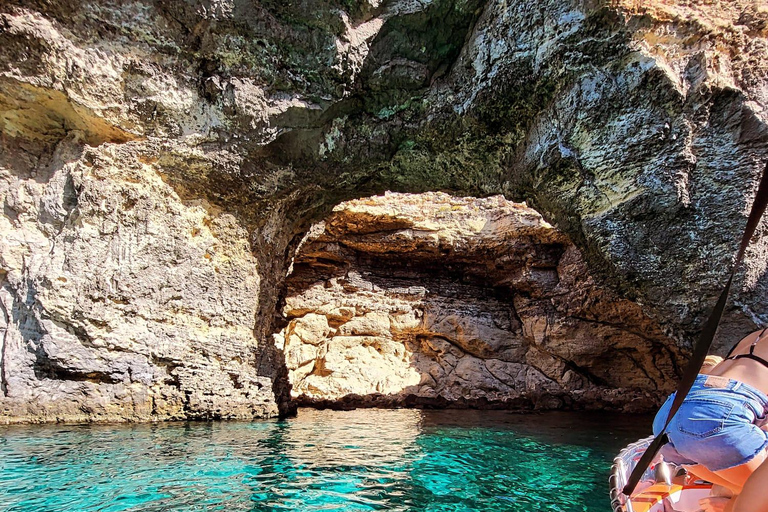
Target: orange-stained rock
x,y
461,301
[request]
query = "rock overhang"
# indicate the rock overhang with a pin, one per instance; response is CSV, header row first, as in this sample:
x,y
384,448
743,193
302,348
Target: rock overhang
x,y
432,300
628,127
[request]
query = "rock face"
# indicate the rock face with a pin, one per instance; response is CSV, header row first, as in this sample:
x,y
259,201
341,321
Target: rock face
x,y
432,300
120,301
161,161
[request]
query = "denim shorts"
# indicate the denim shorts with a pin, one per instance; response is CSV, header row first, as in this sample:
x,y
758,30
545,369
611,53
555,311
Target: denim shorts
x,y
717,424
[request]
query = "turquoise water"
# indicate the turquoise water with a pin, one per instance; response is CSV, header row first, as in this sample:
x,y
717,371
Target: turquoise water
x,y
398,460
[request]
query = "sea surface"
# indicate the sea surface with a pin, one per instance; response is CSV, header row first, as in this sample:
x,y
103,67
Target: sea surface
x,y
395,460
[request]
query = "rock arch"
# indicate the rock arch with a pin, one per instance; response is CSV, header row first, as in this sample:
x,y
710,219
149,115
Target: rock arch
x,y
431,300
160,164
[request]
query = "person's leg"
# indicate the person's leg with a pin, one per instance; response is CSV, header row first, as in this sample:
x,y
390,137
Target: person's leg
x,y
732,478
717,435
720,500
719,490
739,475
754,497
703,473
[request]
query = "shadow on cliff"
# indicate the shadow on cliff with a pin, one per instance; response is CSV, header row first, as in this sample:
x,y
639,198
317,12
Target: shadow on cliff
x,y
581,362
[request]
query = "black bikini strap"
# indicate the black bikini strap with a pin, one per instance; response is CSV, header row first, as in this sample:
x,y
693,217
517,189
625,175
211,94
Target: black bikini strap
x,y
752,357
754,343
751,354
751,347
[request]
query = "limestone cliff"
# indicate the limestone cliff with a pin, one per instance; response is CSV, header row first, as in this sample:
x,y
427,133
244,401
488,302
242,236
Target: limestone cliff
x,y
431,300
120,300
161,161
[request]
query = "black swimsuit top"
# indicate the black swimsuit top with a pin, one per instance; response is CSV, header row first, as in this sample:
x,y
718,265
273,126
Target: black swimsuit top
x,y
751,354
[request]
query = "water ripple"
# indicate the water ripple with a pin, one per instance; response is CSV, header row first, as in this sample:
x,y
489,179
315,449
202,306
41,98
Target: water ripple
x,y
368,460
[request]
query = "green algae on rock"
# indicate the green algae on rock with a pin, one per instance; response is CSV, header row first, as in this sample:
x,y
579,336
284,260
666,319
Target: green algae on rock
x,y
161,162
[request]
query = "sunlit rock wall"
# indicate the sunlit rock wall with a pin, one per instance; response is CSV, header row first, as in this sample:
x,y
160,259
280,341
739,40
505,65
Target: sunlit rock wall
x,y
121,301
137,137
432,300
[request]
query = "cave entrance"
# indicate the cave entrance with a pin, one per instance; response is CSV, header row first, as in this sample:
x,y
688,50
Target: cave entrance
x,y
430,300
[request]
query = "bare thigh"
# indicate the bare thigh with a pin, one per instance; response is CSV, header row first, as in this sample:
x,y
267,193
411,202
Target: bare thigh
x,y
754,498
732,478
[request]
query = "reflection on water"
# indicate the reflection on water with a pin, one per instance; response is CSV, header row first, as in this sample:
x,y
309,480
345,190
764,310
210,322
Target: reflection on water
x,y
321,460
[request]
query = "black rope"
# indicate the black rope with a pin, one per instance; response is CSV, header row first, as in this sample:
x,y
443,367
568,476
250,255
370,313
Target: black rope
x,y
705,340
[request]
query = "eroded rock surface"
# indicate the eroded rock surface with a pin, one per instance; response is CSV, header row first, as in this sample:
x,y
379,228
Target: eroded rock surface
x,y
638,128
122,301
432,300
